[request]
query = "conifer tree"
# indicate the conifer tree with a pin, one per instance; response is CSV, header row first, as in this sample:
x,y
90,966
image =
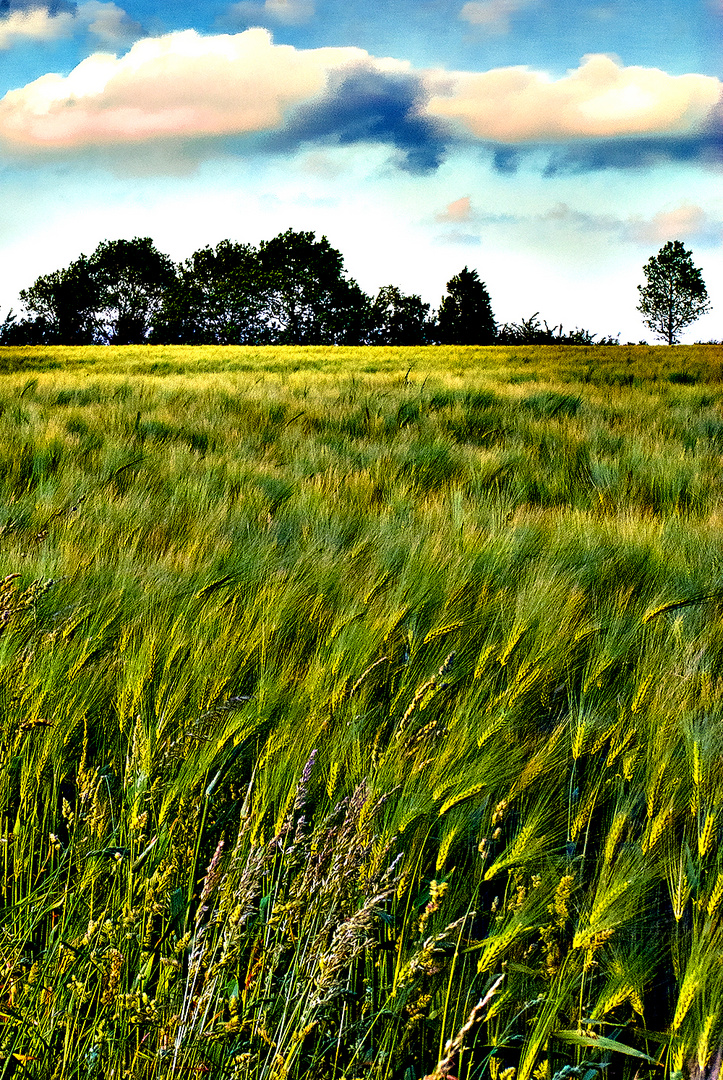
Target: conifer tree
x,y
465,314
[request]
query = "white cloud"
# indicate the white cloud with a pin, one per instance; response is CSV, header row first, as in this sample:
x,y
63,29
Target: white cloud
x,y
493,15
289,12
599,98
103,20
317,163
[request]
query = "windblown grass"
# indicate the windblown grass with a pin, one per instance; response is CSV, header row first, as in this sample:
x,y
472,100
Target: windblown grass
x,y
336,684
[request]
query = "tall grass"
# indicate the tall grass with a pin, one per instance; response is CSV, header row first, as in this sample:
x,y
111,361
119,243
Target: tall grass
x,y
360,713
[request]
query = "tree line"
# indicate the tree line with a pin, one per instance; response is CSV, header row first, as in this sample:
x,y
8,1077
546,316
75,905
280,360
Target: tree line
x,y
293,290
290,290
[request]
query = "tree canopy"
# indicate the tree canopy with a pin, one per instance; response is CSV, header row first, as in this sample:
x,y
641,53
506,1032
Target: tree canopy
x,y
400,320
308,298
65,303
290,290
131,277
216,298
109,298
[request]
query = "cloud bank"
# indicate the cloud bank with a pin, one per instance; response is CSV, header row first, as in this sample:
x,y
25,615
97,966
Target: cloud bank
x,y
688,222
185,86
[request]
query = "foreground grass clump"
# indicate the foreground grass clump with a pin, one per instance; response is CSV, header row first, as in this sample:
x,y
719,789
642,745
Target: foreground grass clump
x,y
336,685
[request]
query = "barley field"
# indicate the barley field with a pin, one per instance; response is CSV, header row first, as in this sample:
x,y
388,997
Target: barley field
x,y
361,713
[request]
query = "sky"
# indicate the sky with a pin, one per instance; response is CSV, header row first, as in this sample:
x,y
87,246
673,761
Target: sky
x,y
552,145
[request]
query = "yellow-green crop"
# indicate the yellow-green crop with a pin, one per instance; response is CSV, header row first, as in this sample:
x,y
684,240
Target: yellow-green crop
x,y
336,684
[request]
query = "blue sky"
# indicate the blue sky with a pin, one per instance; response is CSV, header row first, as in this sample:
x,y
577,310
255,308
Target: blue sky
x,y
554,145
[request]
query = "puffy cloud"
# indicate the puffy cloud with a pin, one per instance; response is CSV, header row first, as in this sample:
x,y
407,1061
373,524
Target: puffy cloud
x,y
493,16
289,12
600,98
457,211
103,20
181,84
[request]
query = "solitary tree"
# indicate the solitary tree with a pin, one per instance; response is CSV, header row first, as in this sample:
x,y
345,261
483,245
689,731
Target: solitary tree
x,y
465,314
674,295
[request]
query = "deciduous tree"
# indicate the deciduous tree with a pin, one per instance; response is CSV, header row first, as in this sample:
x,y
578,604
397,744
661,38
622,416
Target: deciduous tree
x,y
674,294
216,299
65,303
131,277
399,319
307,296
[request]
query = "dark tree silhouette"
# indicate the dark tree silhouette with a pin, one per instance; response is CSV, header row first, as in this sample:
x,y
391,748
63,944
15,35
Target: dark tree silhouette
x,y
532,332
465,314
65,304
307,297
399,319
216,299
290,290
131,277
14,331
674,294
